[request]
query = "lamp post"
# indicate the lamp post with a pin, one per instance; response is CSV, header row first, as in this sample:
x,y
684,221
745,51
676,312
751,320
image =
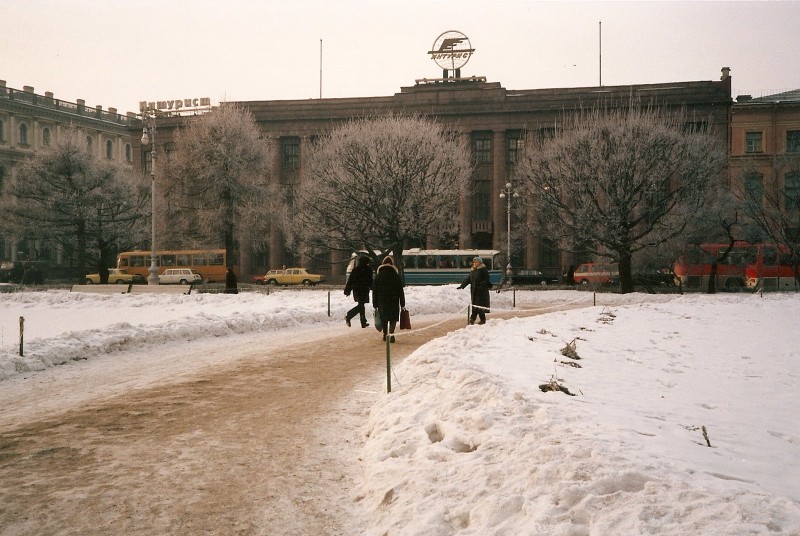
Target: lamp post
x,y
149,137
507,193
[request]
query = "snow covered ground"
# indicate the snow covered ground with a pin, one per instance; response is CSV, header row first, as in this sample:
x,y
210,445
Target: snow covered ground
x,y
683,420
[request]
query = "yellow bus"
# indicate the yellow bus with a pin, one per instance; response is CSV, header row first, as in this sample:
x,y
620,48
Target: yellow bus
x,y
209,263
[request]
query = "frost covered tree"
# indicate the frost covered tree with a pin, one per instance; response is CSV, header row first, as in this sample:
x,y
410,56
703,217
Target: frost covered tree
x,y
616,181
378,183
86,205
218,181
774,205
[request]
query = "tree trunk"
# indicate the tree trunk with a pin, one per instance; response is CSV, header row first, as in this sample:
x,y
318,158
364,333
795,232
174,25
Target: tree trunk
x,y
625,273
81,251
712,279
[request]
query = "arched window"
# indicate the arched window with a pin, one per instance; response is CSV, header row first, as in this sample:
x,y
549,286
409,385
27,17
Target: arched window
x,y
2,131
23,134
128,152
109,149
89,144
46,137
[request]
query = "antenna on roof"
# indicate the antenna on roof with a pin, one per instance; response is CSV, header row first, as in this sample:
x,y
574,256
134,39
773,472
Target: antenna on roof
x,y
600,25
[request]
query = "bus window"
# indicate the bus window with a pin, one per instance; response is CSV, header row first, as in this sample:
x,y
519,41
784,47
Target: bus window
x,y
216,259
168,260
183,259
770,256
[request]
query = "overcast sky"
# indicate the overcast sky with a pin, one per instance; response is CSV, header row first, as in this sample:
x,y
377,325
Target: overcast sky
x,y
117,53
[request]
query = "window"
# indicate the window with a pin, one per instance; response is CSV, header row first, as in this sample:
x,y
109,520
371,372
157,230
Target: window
x,y
792,192
46,137
546,134
291,153
89,144
694,127
128,152
515,145
23,134
793,141
2,131
753,189
483,151
752,142
109,149
481,203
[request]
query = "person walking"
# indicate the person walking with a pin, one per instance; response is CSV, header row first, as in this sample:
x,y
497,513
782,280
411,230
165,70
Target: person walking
x,y
359,283
230,282
478,280
388,296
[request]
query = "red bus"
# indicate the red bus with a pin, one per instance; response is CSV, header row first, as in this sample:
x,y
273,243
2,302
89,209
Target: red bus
x,y
773,269
747,265
209,263
693,268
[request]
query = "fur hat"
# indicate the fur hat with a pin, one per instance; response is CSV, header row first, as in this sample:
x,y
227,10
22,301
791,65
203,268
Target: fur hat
x,y
478,260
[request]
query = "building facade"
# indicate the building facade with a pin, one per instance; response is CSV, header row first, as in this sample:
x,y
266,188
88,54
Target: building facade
x,y
30,123
494,120
763,137
764,159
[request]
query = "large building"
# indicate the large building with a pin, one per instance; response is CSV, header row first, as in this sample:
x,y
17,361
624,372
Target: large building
x,y
764,158
30,122
492,118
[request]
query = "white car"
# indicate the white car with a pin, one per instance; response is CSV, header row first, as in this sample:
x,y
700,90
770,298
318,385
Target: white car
x,y
182,276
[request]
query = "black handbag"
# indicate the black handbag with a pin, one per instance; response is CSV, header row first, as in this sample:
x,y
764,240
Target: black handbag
x,y
405,319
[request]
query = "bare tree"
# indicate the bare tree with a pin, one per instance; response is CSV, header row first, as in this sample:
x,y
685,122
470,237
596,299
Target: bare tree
x,y
220,188
616,181
90,206
378,183
774,207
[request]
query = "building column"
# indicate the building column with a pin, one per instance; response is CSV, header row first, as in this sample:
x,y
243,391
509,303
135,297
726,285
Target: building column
x,y
275,255
499,179
465,209
305,261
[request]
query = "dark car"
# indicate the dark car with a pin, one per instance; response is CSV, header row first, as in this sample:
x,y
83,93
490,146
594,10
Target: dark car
x,y
23,272
654,278
533,277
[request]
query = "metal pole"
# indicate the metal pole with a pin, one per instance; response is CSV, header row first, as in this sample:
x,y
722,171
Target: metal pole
x,y
388,366
149,138
508,230
21,335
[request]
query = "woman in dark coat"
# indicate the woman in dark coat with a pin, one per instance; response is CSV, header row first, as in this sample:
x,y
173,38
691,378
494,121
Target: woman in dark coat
x,y
388,296
478,279
359,283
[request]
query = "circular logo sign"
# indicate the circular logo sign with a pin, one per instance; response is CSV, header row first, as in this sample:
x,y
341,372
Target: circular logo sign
x,y
451,50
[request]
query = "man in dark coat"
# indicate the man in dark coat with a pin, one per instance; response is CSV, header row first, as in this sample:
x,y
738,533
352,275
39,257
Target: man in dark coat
x,y
230,282
478,280
359,283
388,296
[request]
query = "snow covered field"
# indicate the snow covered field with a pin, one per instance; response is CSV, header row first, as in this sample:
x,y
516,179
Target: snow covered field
x,y
684,419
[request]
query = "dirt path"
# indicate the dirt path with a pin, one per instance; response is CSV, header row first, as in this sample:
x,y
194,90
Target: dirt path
x,y
266,443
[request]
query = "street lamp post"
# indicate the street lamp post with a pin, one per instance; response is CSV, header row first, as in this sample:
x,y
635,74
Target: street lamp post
x,y
149,137
507,193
